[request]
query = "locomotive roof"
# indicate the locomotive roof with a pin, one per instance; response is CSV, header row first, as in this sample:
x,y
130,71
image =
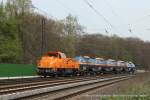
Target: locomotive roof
x,y
53,52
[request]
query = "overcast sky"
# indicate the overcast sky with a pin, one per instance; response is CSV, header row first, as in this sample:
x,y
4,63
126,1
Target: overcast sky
x,y
118,13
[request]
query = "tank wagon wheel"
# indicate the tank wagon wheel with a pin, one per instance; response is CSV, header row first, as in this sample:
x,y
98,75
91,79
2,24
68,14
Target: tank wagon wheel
x,y
54,75
94,73
114,71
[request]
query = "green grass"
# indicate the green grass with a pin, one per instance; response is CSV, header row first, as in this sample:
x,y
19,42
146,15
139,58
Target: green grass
x,y
10,70
138,86
125,98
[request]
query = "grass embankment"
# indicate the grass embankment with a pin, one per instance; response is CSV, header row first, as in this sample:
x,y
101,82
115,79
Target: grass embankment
x,y
134,89
10,70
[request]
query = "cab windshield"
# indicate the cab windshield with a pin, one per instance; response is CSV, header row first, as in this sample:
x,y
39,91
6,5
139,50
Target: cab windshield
x,y
52,54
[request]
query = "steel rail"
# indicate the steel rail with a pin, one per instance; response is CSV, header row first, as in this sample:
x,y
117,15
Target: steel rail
x,y
53,80
52,88
22,87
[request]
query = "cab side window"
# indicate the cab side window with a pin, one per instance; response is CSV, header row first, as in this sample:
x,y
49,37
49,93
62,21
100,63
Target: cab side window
x,y
59,55
63,55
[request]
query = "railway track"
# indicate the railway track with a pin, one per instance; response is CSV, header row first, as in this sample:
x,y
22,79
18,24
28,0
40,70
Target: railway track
x,y
22,80
6,82
63,88
28,86
15,83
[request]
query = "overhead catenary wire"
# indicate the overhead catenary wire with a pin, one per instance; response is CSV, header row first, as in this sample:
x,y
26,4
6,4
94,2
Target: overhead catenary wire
x,y
115,13
141,19
98,13
44,12
70,10
101,15
134,23
63,5
121,19
130,29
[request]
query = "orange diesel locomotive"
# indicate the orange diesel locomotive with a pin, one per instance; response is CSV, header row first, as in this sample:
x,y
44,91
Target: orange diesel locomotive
x,y
56,63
